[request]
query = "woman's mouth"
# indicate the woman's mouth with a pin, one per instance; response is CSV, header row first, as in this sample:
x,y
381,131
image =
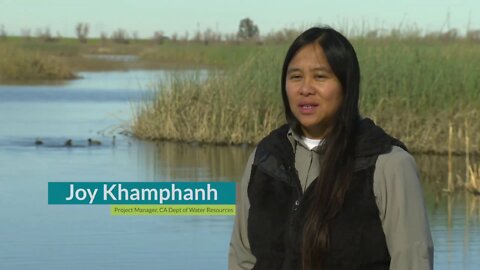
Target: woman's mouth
x,y
308,108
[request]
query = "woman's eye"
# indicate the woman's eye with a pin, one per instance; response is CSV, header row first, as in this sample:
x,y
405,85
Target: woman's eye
x,y
319,76
295,77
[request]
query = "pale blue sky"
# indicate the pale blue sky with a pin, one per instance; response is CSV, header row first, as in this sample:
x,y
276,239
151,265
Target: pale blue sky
x,y
179,16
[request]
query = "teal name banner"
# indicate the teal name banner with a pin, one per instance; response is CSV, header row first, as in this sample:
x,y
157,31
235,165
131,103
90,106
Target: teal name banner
x,y
176,193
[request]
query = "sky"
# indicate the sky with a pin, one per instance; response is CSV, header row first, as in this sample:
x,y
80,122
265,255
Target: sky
x,y
181,16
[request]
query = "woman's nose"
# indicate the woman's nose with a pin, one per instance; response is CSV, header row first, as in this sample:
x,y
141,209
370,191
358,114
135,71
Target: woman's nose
x,y
306,88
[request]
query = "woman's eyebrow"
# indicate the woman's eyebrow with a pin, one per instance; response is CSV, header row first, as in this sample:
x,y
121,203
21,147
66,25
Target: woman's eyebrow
x,y
293,69
319,68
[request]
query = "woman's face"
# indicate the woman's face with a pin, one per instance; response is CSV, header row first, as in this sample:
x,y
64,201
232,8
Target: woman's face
x,y
314,92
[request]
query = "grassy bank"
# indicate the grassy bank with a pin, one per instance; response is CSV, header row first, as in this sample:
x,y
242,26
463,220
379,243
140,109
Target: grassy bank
x,y
17,64
233,107
413,89
60,59
25,60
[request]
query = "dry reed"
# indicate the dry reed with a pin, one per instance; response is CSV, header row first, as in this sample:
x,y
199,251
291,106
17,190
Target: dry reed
x,y
412,89
18,64
472,173
450,184
232,107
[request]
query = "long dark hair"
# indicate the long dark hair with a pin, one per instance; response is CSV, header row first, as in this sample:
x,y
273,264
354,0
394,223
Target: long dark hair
x,y
336,168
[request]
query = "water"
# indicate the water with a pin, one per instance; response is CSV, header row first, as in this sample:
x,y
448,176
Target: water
x,y
113,57
35,235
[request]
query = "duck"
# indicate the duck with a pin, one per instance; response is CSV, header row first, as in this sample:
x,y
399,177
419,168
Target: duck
x,y
38,141
93,142
68,142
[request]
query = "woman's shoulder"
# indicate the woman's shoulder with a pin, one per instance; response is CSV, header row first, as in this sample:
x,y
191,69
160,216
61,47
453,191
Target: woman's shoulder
x,y
251,158
396,171
278,134
396,180
396,159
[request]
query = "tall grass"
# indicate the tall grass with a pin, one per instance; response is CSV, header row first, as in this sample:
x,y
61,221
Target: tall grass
x,y
414,89
19,64
411,88
236,106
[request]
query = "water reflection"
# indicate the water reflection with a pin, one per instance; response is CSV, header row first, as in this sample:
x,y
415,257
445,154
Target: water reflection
x,y
455,225
171,161
113,57
454,217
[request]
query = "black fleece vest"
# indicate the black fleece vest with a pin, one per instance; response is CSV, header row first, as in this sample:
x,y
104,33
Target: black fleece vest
x,y
276,209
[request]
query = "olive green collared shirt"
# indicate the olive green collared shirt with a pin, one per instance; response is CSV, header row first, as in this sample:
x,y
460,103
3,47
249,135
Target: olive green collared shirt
x,y
398,195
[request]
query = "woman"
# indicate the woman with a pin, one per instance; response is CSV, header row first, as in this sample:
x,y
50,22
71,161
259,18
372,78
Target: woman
x,y
329,190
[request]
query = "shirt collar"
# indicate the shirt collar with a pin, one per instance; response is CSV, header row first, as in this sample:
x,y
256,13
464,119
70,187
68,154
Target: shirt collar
x,y
296,139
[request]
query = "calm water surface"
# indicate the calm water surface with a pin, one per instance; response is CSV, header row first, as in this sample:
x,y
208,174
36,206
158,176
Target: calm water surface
x,y
34,235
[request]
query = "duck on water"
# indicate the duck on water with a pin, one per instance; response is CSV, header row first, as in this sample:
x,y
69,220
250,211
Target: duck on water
x,y
69,142
93,142
38,141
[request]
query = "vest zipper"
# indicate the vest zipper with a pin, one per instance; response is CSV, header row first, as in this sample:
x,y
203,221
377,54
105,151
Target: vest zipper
x,y
295,205
294,175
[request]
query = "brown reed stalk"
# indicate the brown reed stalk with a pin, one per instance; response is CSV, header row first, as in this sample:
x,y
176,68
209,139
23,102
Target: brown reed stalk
x,y
472,171
467,151
450,186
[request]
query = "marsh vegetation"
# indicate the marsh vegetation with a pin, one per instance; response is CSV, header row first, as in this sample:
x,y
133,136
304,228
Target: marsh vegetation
x,y
413,88
413,84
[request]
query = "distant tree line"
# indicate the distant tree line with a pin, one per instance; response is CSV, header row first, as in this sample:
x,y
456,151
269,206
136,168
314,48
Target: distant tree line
x,y
248,31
